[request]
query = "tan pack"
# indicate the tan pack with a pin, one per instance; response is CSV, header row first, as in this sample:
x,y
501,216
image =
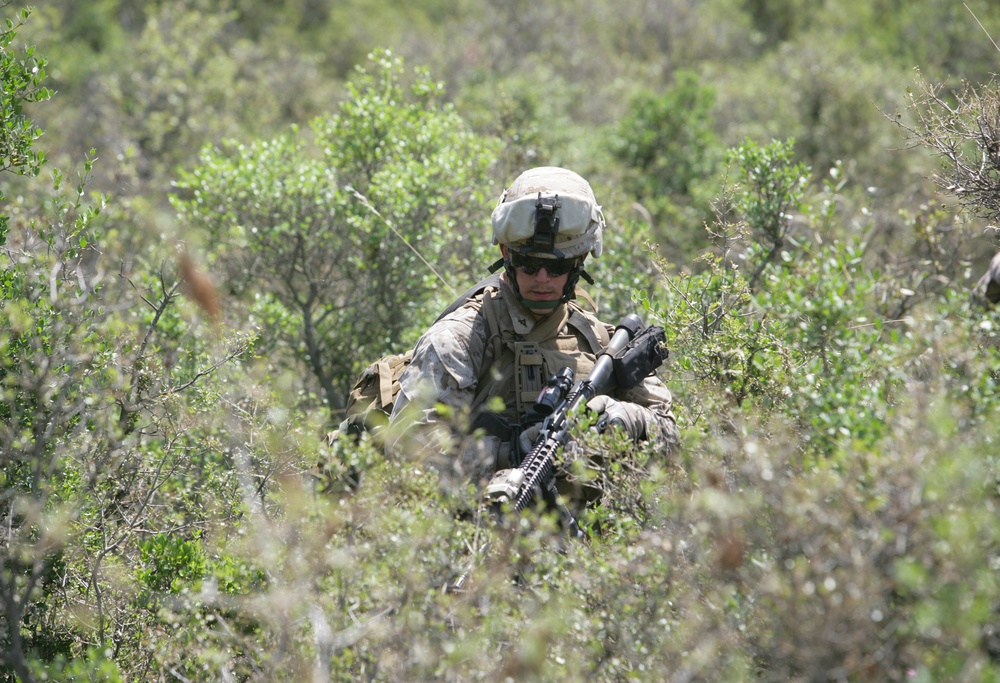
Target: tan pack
x,y
370,402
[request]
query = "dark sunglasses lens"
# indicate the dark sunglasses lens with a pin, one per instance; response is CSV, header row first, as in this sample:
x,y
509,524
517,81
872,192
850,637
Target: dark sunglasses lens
x,y
530,265
560,267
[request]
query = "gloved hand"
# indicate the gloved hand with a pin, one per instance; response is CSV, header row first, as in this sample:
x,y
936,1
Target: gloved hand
x,y
526,441
612,413
528,437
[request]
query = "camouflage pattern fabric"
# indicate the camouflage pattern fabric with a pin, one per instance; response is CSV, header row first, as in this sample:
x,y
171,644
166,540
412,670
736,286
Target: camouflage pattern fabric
x,y
459,364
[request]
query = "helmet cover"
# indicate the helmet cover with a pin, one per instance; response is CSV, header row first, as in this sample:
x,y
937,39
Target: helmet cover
x,y
580,221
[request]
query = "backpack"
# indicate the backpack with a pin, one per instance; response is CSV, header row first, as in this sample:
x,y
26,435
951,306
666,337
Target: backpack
x,y
370,402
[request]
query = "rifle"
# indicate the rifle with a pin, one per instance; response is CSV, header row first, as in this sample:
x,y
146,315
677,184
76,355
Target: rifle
x,y
633,353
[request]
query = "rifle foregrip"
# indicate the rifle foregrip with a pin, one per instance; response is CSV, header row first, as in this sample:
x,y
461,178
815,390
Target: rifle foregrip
x,y
537,470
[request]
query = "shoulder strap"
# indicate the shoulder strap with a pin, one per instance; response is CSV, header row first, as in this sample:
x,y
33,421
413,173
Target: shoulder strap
x,y
487,309
479,287
494,337
593,331
492,319
494,341
579,294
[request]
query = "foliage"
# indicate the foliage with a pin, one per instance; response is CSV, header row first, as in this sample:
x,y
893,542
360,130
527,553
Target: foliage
x,y
774,187
845,378
341,239
961,129
163,79
100,443
667,144
525,114
102,389
830,516
22,75
963,42
622,268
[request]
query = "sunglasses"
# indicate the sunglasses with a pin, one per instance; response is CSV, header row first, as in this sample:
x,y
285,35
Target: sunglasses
x,y
529,265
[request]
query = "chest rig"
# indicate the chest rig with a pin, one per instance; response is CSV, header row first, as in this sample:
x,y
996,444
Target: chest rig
x,y
521,356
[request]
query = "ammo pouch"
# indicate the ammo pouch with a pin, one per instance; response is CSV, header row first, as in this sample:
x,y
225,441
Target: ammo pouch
x,y
530,374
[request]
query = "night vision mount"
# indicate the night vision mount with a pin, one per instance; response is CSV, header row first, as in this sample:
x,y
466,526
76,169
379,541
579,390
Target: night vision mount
x,y
546,225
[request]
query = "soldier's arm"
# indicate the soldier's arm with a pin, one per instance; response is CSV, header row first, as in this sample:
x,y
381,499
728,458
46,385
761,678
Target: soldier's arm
x,y
651,404
443,373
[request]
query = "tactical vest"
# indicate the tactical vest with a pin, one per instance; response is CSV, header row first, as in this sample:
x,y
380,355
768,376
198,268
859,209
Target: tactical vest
x,y
516,367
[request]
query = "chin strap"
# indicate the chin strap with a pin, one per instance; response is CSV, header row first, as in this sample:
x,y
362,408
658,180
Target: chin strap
x,y
540,305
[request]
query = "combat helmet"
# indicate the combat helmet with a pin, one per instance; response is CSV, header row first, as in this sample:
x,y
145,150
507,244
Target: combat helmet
x,y
549,212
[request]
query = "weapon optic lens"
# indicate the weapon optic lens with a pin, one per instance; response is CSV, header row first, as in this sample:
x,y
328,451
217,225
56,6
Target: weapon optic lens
x,y
555,392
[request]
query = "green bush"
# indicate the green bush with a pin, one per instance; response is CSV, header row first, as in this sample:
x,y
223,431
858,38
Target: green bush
x,y
667,145
336,247
830,517
23,74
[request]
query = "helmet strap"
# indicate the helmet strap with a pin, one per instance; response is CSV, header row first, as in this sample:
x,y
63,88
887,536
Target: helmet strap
x,y
569,291
508,269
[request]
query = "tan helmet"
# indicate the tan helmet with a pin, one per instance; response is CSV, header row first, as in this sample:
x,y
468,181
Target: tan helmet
x,y
575,217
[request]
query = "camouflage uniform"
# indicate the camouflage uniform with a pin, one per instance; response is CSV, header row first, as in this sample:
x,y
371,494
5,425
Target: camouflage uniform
x,y
487,361
462,363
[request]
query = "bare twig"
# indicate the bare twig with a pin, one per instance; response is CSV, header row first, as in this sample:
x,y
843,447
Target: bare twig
x,y
368,205
981,26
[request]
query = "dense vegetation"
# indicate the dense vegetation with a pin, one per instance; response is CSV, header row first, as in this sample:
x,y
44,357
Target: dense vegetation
x,y
213,215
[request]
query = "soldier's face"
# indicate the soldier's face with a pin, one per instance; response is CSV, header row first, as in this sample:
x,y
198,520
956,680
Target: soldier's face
x,y
540,285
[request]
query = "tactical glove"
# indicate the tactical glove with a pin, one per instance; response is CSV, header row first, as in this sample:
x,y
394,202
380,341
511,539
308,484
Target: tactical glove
x,y
527,438
526,441
612,413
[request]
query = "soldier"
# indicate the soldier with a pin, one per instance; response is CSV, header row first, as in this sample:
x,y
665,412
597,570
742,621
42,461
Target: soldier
x,y
487,361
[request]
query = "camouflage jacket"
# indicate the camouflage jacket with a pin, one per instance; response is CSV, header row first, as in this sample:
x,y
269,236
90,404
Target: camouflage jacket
x,y
485,363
